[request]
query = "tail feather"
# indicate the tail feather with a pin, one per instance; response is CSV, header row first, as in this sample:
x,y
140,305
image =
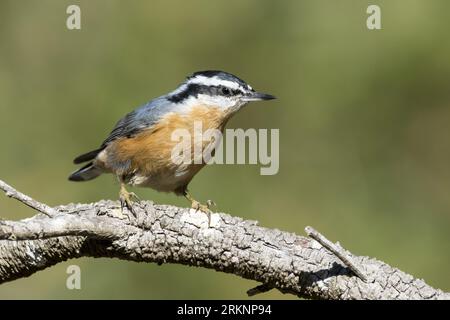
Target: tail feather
x,y
88,172
87,156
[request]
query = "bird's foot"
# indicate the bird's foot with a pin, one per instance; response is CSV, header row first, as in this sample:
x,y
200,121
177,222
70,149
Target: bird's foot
x,y
126,200
200,207
205,208
197,206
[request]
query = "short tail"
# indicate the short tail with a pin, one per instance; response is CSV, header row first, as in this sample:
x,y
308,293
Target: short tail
x,y
87,156
86,173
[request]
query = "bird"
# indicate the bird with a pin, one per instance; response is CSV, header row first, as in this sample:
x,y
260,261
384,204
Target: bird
x,y
139,147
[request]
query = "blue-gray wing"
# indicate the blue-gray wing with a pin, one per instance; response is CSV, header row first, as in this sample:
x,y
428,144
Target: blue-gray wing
x,y
140,119
133,123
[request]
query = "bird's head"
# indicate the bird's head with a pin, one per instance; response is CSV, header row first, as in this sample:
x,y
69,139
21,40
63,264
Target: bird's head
x,y
216,89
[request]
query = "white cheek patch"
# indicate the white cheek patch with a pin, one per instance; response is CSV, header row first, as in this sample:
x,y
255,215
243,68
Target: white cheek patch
x,y
217,101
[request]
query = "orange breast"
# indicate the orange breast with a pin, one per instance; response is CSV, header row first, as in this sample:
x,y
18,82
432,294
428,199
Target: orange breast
x,y
149,153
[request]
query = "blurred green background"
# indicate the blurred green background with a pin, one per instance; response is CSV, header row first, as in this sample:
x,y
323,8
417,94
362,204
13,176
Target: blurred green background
x,y
363,116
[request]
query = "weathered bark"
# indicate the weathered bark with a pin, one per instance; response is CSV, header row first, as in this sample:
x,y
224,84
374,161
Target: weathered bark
x,y
168,234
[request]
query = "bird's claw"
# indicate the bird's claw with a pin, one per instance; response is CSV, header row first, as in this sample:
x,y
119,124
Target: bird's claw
x,y
126,200
134,196
197,206
200,207
210,204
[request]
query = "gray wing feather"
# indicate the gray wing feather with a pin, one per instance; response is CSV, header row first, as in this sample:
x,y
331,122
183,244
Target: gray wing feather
x,y
133,123
142,118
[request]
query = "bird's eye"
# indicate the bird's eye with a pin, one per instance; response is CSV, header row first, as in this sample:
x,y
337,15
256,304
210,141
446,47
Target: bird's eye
x,y
225,91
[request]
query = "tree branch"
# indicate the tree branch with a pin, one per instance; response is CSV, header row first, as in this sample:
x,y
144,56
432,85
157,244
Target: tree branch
x,y
168,234
337,251
13,193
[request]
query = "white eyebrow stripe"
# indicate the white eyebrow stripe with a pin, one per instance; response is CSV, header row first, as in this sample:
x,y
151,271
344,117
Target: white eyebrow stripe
x,y
180,89
214,81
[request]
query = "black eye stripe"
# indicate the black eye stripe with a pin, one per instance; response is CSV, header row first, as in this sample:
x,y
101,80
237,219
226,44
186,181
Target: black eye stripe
x,y
194,89
230,92
220,91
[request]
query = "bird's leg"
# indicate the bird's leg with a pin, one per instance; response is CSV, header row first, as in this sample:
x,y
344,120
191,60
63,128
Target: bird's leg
x,y
126,198
199,206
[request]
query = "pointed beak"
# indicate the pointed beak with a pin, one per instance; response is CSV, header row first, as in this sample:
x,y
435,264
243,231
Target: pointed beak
x,y
258,96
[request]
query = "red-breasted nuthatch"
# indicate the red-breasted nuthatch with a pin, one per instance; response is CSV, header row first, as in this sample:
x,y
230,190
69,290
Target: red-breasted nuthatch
x,y
139,148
